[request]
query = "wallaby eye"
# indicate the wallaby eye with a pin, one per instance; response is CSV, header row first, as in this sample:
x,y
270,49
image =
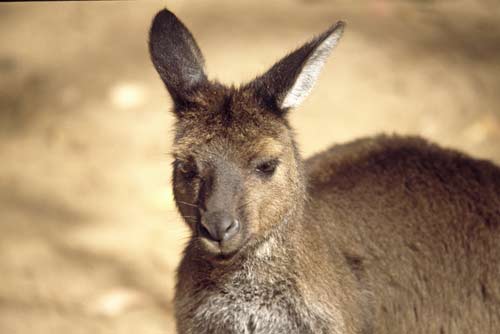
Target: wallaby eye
x,y
267,167
187,169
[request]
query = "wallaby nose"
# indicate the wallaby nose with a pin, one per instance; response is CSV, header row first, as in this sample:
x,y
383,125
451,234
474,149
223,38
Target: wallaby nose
x,y
220,226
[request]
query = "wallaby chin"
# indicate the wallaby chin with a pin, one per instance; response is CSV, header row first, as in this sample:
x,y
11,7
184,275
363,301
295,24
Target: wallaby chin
x,y
381,235
220,253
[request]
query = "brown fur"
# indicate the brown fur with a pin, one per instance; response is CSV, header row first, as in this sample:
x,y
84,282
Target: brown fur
x,y
381,235
423,225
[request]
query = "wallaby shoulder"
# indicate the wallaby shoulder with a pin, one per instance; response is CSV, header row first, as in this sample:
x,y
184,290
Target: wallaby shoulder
x,y
391,185
419,226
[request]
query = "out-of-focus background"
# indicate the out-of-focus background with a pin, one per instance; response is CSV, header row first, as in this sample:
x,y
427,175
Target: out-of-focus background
x,y
89,235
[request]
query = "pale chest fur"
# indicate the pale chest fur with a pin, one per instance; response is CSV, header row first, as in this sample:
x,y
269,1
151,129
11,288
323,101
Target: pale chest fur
x,y
255,299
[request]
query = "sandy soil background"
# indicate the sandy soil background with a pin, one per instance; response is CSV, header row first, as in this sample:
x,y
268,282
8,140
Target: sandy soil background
x,y
89,235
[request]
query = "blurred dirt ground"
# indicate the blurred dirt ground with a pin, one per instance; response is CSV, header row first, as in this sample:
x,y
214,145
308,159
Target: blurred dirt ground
x,y
89,235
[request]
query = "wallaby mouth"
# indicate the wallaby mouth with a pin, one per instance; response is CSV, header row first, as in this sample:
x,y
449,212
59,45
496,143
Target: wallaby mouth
x,y
220,235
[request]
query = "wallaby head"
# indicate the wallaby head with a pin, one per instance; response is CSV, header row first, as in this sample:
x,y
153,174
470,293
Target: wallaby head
x,y
237,172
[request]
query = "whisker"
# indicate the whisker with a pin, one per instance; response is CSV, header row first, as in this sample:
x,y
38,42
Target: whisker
x,y
191,219
245,204
189,204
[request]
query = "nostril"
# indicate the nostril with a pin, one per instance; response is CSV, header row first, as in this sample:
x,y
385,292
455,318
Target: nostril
x,y
218,227
231,230
204,231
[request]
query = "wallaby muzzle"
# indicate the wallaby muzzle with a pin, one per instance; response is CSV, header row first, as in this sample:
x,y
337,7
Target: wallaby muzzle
x,y
219,226
219,197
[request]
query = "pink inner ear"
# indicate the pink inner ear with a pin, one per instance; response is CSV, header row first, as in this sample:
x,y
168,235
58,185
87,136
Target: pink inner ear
x,y
291,79
311,69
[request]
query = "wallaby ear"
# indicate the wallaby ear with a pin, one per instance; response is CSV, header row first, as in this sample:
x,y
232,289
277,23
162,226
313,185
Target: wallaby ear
x,y
291,79
176,56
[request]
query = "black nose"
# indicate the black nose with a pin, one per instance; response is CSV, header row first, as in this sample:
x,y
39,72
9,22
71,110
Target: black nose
x,y
220,226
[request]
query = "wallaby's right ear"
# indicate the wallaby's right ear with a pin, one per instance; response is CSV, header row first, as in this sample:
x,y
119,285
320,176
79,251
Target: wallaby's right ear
x,y
176,56
291,79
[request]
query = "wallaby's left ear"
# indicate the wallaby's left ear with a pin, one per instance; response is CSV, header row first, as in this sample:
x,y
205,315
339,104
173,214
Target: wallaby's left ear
x,y
291,79
176,56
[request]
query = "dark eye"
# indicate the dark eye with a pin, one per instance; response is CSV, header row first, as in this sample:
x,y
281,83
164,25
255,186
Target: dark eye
x,y
187,169
267,167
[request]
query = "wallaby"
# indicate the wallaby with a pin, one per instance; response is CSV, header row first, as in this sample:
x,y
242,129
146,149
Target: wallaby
x,y
381,235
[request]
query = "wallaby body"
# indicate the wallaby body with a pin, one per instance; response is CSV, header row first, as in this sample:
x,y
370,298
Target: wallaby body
x,y
381,235
398,236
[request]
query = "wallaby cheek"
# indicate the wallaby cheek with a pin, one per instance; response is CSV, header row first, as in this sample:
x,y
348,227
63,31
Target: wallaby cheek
x,y
186,199
274,204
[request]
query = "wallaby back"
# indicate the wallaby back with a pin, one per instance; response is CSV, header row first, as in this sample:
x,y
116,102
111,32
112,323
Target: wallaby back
x,y
381,235
419,226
